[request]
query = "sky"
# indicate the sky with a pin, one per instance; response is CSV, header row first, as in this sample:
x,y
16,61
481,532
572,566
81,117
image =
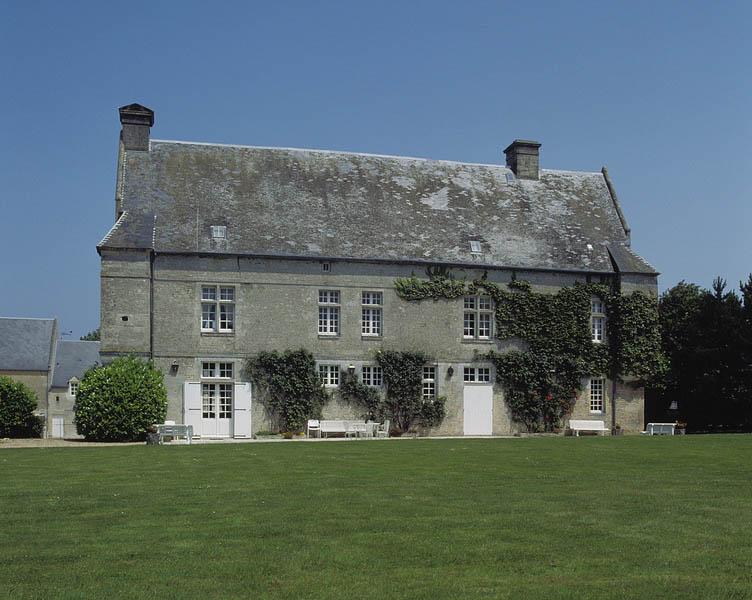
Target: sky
x,y
660,92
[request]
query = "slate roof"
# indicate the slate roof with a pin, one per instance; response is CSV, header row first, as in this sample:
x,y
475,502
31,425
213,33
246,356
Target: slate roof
x,y
26,344
328,205
73,360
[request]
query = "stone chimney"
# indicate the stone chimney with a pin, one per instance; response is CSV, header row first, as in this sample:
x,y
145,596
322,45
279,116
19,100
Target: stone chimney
x,y
136,121
523,158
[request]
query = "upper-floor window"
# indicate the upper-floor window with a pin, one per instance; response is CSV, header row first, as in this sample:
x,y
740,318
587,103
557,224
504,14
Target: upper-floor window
x,y
72,388
372,313
597,319
596,395
329,375
476,375
372,375
429,383
329,312
217,308
478,318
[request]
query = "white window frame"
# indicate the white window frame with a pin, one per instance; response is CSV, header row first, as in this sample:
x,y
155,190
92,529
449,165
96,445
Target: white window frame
x,y
597,392
428,382
477,317
372,375
329,312
73,388
597,320
219,302
477,374
217,389
372,314
329,374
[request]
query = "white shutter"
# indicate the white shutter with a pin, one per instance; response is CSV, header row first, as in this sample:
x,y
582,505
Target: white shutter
x,y
241,411
192,406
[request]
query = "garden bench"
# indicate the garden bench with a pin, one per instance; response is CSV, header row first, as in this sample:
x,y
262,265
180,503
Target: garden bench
x,y
659,429
586,425
333,427
175,431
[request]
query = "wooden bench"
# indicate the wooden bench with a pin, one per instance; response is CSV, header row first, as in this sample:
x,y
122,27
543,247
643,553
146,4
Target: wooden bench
x,y
347,428
333,427
175,431
659,429
578,425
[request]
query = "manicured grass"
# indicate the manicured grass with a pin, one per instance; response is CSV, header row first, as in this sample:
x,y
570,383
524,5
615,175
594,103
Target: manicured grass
x,y
511,518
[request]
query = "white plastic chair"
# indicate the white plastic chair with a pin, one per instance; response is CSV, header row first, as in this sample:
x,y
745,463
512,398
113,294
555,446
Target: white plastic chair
x,y
383,430
313,425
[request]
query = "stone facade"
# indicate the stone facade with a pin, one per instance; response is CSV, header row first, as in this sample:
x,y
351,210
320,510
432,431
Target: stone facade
x,y
277,225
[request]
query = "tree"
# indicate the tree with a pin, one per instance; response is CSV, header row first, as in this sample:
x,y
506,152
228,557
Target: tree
x,y
92,336
17,405
119,401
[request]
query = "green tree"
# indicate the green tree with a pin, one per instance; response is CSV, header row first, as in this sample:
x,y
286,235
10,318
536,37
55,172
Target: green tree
x,y
17,405
120,400
92,336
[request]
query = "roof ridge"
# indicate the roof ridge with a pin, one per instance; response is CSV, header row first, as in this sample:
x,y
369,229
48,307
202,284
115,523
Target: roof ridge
x,y
28,318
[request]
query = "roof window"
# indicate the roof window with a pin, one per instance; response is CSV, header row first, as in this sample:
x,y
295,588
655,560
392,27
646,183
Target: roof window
x,y
510,177
475,247
219,232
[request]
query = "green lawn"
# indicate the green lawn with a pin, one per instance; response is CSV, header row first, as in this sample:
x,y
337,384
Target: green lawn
x,y
625,517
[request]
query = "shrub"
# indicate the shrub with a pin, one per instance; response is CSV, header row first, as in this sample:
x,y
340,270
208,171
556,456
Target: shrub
x,y
119,401
17,405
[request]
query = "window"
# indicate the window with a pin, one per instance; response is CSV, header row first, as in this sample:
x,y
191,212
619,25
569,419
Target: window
x,y
328,312
72,388
329,375
597,320
371,322
477,375
217,300
219,232
216,396
596,395
372,376
475,247
213,370
478,318
429,383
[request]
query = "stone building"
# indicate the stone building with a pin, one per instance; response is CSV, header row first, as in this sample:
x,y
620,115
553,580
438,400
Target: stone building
x,y
220,251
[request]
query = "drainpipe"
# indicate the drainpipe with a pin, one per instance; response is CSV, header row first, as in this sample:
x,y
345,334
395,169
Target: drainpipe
x,y
151,305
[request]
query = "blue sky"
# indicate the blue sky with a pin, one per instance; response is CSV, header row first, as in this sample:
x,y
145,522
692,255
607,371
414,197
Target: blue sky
x,y
660,92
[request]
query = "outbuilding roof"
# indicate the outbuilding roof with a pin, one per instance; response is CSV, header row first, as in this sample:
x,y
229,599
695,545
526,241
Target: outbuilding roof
x,y
328,205
74,358
26,344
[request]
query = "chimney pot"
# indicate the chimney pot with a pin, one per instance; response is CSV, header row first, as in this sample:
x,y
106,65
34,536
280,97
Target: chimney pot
x,y
136,121
523,157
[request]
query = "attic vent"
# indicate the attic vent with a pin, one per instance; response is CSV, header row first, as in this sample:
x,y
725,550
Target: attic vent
x,y
475,247
326,266
510,177
219,232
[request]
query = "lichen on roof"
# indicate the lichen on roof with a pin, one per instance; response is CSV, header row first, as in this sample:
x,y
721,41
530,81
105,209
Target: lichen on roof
x,y
325,204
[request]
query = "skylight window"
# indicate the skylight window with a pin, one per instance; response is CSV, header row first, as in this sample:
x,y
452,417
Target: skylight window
x,y
510,177
475,247
219,232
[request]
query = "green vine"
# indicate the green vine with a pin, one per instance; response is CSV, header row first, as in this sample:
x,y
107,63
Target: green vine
x,y
542,380
292,389
361,395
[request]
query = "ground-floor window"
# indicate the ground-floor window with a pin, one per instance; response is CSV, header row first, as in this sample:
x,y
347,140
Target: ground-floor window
x,y
596,395
216,400
372,375
429,383
329,375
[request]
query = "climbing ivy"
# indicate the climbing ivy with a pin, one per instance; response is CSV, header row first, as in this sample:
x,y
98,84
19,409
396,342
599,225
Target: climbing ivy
x,y
361,395
292,389
542,380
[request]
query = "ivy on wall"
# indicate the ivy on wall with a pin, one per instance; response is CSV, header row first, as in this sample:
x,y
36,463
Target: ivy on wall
x,y
402,403
542,380
292,390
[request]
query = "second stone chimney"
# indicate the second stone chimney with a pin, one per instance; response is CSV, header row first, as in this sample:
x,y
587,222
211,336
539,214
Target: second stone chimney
x,y
136,121
523,157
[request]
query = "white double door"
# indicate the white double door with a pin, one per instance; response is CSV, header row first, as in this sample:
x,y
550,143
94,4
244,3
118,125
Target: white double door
x,y
218,410
477,400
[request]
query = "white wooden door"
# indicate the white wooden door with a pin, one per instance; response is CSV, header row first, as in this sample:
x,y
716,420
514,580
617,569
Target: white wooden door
x,y
478,409
192,406
58,427
241,411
